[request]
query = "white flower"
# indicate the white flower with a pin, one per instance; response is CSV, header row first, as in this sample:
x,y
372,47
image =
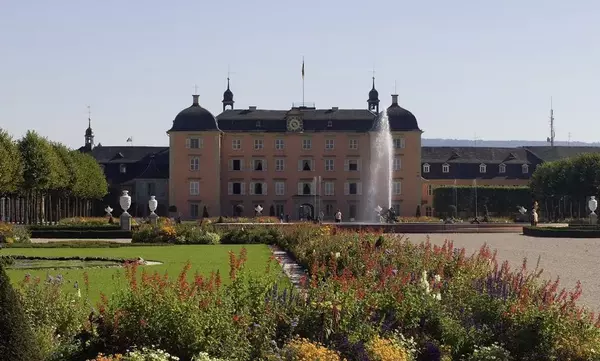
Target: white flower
x,y
337,254
438,296
424,282
438,278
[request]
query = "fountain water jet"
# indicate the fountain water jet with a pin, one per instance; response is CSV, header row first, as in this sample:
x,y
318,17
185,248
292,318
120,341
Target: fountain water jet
x,y
379,186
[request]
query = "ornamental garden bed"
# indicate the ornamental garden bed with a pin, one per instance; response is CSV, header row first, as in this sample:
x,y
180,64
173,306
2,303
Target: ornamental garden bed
x,y
80,233
578,231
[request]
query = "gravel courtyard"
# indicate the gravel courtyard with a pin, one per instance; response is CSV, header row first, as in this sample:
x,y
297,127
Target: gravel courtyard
x,y
571,259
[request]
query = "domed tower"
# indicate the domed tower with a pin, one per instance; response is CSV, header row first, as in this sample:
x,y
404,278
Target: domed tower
x,y
194,162
89,136
228,97
373,101
407,176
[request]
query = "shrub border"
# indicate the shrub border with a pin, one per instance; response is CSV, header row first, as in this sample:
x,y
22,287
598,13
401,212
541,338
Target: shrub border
x,y
81,234
560,232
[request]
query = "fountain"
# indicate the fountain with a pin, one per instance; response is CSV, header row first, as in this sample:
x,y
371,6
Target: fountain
x,y
379,186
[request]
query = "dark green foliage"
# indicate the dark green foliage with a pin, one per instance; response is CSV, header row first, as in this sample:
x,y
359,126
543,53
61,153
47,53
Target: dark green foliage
x,y
106,233
11,169
499,200
37,165
89,177
562,232
16,337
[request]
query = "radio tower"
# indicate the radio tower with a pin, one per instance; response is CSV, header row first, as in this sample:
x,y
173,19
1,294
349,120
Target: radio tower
x,y
550,139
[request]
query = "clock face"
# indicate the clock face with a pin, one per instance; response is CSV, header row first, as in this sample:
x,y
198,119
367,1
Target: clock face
x,y
294,124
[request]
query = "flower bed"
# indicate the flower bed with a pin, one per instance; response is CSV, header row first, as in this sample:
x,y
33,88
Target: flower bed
x,y
576,231
366,297
10,233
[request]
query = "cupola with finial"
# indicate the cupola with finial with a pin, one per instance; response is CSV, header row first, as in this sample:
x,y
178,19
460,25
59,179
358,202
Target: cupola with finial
x,y
89,133
373,101
228,97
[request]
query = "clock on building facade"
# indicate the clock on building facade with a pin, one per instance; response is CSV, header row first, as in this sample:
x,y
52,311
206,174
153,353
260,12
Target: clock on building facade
x,y
294,124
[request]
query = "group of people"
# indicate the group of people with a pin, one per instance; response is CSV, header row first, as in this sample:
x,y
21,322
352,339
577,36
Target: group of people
x,y
337,217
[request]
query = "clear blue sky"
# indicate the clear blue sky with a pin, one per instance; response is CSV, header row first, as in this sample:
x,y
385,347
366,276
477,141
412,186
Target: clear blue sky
x,y
462,67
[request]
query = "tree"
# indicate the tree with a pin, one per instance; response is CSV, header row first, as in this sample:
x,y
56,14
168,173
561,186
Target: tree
x,y
11,170
17,342
418,212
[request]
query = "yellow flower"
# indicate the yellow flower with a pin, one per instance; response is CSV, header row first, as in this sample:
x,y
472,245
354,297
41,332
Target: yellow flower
x,y
381,349
304,350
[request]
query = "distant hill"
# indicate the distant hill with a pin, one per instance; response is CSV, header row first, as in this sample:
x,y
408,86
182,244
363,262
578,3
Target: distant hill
x,y
499,143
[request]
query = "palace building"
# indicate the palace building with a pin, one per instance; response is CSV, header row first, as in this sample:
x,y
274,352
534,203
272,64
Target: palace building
x,y
298,162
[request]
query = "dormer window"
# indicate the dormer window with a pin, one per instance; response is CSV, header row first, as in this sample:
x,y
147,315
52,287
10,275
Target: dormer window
x,y
329,124
123,168
525,168
482,168
258,124
502,168
426,168
445,168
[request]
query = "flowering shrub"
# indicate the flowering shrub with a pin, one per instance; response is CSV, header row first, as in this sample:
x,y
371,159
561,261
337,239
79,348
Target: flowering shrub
x,y
143,354
203,356
305,350
262,219
13,234
166,231
381,349
494,352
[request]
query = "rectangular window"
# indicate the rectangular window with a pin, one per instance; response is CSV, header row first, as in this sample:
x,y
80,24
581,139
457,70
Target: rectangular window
x,y
397,163
399,143
426,168
194,143
151,189
306,144
279,210
502,168
236,144
259,165
258,144
122,168
353,144
329,210
352,165
396,207
279,145
194,188
429,190
194,164
329,188
353,188
397,188
235,188
329,165
194,210
305,188
329,144
279,164
258,188
279,188
445,168
305,165
236,164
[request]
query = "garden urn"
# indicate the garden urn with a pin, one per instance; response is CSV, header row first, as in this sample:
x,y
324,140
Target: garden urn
x,y
593,204
152,204
258,210
125,201
108,211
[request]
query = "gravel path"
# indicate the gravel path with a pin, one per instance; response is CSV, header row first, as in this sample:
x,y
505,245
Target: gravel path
x,y
570,258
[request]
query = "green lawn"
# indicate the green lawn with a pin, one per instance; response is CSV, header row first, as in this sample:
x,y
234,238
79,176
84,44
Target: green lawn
x,y
203,259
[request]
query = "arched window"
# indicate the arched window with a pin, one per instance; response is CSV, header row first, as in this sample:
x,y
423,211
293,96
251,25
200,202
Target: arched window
x,y
446,168
426,168
502,168
482,168
525,168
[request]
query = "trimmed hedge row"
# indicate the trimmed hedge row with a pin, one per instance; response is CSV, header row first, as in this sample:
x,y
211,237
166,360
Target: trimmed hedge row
x,y
81,234
84,244
561,232
499,200
74,227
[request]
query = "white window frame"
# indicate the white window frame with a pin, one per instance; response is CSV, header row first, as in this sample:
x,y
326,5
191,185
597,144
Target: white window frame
x,y
329,188
525,169
306,144
397,188
123,168
353,144
279,164
358,188
502,168
329,144
279,144
429,189
259,144
194,188
445,168
352,161
194,164
426,168
329,164
230,188
279,188
399,143
263,163
236,144
189,143
482,168
397,163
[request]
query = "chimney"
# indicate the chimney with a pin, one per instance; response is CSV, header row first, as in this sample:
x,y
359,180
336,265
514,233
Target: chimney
x,y
394,99
195,97
335,108
252,107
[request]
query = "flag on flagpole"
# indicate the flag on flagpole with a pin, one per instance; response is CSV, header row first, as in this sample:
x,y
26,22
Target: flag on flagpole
x,y
302,68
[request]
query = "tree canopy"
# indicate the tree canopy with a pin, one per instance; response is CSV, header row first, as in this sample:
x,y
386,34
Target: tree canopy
x,y
35,164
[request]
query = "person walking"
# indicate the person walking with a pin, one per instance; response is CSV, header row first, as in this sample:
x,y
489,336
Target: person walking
x,y
338,216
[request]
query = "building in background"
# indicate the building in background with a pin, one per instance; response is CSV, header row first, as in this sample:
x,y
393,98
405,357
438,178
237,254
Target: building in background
x,y
242,158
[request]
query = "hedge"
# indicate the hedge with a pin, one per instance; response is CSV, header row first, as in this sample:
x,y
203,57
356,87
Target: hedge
x,y
561,232
501,201
81,234
74,227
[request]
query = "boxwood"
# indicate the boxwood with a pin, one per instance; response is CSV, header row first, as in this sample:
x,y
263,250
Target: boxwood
x,y
561,232
81,233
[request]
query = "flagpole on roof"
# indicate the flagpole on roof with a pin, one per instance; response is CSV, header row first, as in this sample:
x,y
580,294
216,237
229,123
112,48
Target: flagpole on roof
x,y
302,81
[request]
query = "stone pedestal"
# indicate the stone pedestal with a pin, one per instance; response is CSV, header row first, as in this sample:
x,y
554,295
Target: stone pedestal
x,y
126,221
593,218
153,218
